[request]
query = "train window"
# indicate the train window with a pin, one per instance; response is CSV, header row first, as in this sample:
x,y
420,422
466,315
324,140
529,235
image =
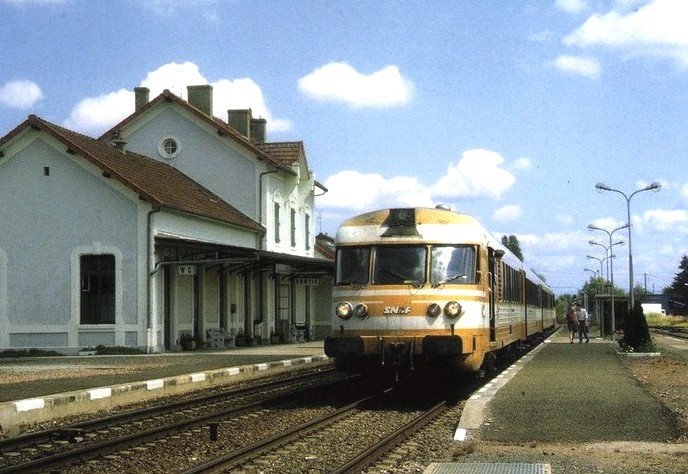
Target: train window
x,y
399,265
352,266
453,264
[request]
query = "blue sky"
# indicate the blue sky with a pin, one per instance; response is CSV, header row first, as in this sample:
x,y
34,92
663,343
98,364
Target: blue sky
x,y
509,111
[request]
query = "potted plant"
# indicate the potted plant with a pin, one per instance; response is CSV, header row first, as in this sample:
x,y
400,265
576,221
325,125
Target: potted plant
x,y
274,338
187,341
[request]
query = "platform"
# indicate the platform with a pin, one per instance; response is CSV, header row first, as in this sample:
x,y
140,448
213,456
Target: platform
x,y
40,388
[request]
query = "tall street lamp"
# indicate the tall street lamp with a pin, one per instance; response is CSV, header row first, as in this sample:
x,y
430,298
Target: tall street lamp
x,y
607,252
611,268
656,187
598,259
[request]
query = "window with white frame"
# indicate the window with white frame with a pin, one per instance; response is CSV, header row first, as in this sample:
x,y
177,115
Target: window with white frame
x,y
277,222
293,227
97,276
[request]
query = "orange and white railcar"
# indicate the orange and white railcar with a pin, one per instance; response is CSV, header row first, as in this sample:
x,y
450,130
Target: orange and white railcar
x,y
422,286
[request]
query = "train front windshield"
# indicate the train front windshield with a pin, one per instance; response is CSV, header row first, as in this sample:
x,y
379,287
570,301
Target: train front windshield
x,y
448,264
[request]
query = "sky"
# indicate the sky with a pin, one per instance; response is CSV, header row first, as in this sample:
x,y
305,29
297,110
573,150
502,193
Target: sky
x,y
511,111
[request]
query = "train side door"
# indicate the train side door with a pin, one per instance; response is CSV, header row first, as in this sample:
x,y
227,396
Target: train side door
x,y
493,257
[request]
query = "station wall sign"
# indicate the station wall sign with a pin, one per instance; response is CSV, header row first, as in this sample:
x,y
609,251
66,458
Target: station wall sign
x,y
186,269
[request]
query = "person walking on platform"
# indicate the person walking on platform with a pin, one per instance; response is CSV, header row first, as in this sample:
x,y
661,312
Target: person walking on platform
x,y
571,323
582,321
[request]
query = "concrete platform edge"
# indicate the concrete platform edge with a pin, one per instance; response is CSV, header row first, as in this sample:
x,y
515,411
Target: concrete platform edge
x,y
16,413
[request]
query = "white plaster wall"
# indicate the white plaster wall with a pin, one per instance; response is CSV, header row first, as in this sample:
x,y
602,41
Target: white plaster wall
x,y
45,218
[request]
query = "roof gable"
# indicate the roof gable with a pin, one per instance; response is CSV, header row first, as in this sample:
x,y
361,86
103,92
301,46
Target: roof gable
x,y
223,129
159,183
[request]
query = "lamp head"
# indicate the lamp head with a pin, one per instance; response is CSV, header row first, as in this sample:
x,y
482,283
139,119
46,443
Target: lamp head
x,y
602,187
656,187
593,227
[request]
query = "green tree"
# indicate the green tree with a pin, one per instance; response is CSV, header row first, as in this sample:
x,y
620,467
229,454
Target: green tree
x,y
511,242
678,290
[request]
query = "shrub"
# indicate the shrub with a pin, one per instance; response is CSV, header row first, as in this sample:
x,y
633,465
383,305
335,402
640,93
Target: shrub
x,y
636,332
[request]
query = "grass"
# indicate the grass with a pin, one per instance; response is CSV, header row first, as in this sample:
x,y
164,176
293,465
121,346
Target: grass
x,y
658,319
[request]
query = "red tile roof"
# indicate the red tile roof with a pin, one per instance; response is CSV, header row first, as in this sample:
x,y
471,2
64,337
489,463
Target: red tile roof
x,y
286,153
159,183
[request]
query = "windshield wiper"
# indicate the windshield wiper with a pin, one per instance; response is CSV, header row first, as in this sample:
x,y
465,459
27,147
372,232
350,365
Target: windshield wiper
x,y
406,281
448,279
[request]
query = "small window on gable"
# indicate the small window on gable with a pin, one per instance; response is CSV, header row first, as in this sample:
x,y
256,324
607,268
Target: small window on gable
x,y
169,147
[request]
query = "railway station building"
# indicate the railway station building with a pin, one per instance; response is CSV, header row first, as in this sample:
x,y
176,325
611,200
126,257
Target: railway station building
x,y
174,225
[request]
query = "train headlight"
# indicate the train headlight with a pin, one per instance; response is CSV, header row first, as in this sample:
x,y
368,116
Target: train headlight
x,y
434,310
452,309
344,310
361,311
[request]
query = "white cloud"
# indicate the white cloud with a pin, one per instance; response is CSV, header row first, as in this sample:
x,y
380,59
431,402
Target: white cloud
x,y
657,28
523,164
587,67
20,94
571,6
243,94
97,114
358,191
100,113
508,213
477,173
675,220
341,83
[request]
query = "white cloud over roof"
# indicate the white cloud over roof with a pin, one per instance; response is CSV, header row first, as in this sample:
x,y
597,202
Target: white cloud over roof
x,y
96,114
341,83
20,94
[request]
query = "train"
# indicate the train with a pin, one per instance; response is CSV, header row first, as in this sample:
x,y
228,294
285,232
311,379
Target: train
x,y
420,287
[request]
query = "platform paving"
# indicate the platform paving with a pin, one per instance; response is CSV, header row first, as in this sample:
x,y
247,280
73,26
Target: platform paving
x,y
564,392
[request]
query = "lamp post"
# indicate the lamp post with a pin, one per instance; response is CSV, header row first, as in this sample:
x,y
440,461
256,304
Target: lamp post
x,y
599,260
656,187
607,252
611,267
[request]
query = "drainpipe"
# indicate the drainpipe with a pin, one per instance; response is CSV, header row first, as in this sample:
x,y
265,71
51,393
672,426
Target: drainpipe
x,y
260,203
150,323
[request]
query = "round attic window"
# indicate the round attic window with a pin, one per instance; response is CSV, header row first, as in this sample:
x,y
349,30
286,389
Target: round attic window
x,y
169,147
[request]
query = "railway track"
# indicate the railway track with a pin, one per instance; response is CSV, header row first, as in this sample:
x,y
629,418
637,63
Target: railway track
x,y
326,450
679,332
45,450
325,423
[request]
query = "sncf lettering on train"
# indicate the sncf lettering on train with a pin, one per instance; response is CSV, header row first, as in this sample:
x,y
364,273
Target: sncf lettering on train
x,y
397,310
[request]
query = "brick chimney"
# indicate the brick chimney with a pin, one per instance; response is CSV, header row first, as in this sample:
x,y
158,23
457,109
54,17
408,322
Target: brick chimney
x,y
240,120
141,97
258,130
201,97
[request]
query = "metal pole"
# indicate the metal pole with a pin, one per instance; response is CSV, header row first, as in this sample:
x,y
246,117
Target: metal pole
x,y
652,187
611,269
